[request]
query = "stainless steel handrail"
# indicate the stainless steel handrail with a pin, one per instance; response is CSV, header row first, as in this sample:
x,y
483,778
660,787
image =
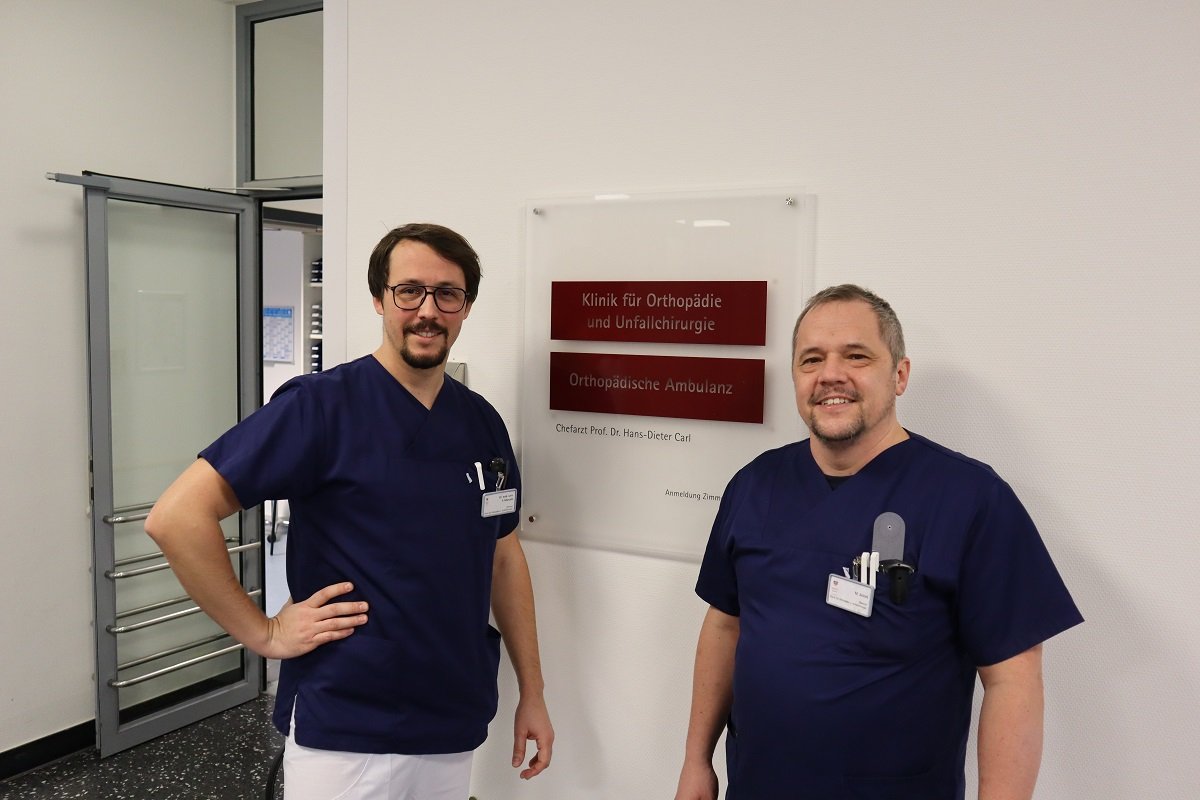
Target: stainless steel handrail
x,y
186,612
137,626
150,556
125,514
175,667
133,612
133,573
172,651
117,519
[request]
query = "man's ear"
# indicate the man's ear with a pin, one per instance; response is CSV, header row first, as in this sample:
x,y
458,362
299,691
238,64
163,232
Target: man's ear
x,y
902,371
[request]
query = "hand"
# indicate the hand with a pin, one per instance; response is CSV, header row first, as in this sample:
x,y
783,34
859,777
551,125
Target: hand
x,y
532,722
697,783
301,627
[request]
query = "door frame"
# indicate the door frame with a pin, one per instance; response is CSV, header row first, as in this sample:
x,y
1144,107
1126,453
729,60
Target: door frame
x,y
112,735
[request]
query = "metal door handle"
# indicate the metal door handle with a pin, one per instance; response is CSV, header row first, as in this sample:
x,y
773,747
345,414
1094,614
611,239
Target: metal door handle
x,y
133,573
187,612
166,670
127,513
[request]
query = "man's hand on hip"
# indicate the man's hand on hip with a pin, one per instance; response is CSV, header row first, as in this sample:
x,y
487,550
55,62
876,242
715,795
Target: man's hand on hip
x,y
301,627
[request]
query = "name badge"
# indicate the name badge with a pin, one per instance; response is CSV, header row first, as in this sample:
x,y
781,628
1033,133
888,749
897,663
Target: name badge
x,y
497,503
850,595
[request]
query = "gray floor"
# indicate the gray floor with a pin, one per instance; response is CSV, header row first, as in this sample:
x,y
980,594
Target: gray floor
x,y
225,757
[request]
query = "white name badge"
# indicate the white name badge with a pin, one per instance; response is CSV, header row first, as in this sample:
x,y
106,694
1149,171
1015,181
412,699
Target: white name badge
x,y
850,595
497,503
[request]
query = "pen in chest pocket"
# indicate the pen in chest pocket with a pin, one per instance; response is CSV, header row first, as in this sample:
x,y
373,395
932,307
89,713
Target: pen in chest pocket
x,y
500,467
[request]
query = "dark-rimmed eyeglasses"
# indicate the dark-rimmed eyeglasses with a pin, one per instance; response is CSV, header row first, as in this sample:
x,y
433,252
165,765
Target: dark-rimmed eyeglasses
x,y
410,297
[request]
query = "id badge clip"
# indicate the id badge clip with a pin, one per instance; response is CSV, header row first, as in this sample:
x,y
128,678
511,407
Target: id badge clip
x,y
500,501
497,503
855,590
850,595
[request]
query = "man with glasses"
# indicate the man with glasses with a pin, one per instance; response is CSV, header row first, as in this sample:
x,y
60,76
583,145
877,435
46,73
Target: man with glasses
x,y
404,492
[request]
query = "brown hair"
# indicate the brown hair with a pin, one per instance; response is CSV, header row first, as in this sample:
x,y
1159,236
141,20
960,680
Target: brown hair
x,y
443,241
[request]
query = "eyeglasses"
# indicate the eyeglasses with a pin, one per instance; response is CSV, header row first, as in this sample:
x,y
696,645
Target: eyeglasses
x,y
411,296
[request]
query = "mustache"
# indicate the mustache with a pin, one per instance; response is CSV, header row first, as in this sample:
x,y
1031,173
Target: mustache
x,y
425,327
848,393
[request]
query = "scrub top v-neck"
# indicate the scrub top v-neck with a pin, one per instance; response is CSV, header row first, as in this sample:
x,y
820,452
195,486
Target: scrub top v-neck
x,y
384,493
831,704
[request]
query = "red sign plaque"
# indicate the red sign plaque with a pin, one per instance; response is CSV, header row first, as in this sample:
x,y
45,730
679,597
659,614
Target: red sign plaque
x,y
677,312
727,389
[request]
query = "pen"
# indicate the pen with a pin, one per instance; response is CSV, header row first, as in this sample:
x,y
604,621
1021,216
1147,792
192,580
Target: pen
x,y
500,467
479,472
874,568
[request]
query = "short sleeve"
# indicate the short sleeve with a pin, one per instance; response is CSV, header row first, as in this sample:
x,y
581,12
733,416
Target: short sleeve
x,y
717,584
275,452
510,522
492,429
1011,596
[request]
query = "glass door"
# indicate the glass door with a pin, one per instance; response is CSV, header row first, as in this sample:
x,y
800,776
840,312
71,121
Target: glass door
x,y
175,342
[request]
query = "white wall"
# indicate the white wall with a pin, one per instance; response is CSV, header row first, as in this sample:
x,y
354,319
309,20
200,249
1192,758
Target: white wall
x,y
1020,179
130,87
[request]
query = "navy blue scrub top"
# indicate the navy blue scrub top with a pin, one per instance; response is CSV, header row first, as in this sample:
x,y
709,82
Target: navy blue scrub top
x,y
831,705
384,493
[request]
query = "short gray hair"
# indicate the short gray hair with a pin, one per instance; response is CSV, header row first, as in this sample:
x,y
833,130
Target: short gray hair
x,y
889,323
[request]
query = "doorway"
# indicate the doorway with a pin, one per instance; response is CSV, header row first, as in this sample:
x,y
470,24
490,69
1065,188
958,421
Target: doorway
x,y
293,332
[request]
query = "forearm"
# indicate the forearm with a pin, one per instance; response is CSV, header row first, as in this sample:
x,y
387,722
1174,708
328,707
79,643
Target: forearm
x,y
203,568
1010,733
712,686
185,524
513,607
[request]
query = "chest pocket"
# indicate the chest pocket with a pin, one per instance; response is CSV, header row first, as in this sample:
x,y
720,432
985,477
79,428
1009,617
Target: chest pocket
x,y
793,569
445,498
901,632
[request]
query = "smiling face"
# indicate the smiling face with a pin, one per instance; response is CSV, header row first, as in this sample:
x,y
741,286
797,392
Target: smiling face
x,y
846,383
419,339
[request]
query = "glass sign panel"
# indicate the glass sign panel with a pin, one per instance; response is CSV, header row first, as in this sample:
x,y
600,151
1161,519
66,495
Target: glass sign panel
x,y
657,344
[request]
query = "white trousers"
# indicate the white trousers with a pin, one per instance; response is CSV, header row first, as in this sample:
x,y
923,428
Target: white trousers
x,y
310,774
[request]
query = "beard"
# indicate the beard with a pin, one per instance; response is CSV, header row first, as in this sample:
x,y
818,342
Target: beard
x,y
424,360
848,433
850,429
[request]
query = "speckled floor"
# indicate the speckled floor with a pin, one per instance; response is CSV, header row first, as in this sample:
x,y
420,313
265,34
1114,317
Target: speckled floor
x,y
225,757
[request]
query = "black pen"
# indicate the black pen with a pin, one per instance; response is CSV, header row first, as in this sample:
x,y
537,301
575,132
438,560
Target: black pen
x,y
500,467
